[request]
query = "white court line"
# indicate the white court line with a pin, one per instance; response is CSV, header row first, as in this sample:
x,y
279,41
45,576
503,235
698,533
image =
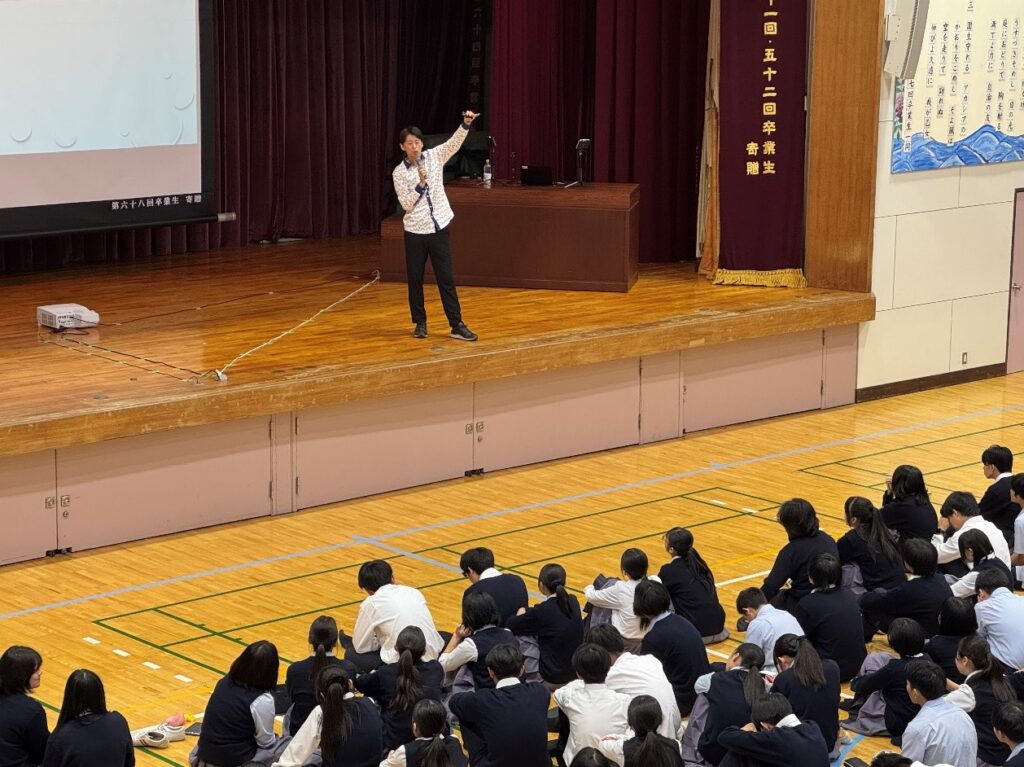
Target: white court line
x,y
749,511
90,640
150,664
743,578
122,653
182,678
718,503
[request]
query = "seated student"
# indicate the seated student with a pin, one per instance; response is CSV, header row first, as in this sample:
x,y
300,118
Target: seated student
x,y
1008,724
977,556
955,622
982,692
431,747
347,730
238,726
765,623
728,696
775,736
592,708
830,617
806,541
506,726
1000,615
920,598
398,687
86,734
474,638
1017,551
23,728
906,509
591,757
691,584
868,551
634,675
810,684
671,639
959,515
557,623
508,589
323,638
617,596
646,747
996,504
940,732
890,710
387,609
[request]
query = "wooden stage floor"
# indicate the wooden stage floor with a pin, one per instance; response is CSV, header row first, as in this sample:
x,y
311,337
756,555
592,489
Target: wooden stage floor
x,y
168,323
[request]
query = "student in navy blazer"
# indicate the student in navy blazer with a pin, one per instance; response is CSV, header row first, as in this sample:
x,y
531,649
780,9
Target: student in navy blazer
x,y
869,545
301,675
431,745
806,541
776,737
671,639
23,729
830,617
508,589
505,726
1008,724
906,509
920,598
87,734
996,505
691,584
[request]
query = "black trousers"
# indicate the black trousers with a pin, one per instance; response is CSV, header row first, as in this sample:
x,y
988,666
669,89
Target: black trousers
x,y
418,248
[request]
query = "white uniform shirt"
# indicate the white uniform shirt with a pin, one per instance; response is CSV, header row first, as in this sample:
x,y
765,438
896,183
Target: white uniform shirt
x,y
634,675
594,711
618,597
384,614
426,207
949,551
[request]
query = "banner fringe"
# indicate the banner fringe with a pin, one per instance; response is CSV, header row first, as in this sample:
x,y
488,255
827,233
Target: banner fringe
x,y
776,278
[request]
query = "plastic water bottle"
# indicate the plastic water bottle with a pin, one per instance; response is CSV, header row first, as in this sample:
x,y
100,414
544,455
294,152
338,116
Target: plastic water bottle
x,y
487,171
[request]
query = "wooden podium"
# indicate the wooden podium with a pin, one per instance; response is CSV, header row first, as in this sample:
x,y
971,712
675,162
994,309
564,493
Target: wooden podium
x,y
505,236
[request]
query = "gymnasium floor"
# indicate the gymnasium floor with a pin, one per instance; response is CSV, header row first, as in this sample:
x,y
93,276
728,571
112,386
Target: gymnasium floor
x,y
161,620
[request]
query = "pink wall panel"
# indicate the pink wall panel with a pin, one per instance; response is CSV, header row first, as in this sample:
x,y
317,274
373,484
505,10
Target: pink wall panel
x,y
127,489
377,445
26,482
840,366
748,380
565,412
660,403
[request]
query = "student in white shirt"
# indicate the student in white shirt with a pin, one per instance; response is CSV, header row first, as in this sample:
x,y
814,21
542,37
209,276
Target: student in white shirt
x,y
940,733
594,710
977,554
1008,724
387,610
643,746
1017,555
1000,615
617,596
960,512
766,623
478,633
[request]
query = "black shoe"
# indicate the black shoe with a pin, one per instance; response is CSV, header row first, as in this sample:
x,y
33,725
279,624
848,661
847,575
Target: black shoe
x,y
462,333
420,331
850,704
741,624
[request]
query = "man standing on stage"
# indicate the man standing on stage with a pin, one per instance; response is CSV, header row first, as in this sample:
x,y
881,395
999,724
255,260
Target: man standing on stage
x,y
419,182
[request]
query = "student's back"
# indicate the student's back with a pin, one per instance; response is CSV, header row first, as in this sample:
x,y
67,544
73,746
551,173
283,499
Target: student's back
x,y
505,726
91,741
819,704
990,749
831,619
910,517
638,753
877,570
727,707
675,642
452,747
508,590
791,565
23,730
299,684
801,745
228,735
693,598
891,681
363,744
382,685
558,635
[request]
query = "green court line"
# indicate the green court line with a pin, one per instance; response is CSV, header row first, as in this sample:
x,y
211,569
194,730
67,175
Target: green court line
x,y
100,622
770,501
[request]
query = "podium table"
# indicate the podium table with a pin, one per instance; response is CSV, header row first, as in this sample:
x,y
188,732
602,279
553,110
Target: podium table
x,y
507,236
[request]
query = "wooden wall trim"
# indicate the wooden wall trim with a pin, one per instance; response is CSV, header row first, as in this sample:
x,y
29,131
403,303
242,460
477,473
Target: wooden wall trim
x,y
845,81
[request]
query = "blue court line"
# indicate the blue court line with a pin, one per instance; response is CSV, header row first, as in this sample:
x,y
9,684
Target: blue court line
x,y
846,750
713,467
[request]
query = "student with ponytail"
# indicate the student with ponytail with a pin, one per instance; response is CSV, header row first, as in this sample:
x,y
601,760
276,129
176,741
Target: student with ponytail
x,y
985,688
556,622
810,684
23,729
87,734
431,747
398,687
977,555
868,551
691,584
346,729
646,748
323,640
729,695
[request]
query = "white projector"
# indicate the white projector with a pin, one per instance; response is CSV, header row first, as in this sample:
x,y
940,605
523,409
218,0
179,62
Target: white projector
x,y
59,316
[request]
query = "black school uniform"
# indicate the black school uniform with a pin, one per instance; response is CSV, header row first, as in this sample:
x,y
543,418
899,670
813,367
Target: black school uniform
x,y
299,684
486,639
800,746
381,685
990,750
558,636
414,752
364,744
941,648
23,730
909,517
675,642
727,707
693,599
505,727
891,680
919,598
831,619
508,590
791,565
998,509
102,740
876,570
814,704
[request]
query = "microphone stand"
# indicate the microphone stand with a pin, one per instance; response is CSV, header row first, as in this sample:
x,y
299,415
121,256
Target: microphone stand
x,y
579,170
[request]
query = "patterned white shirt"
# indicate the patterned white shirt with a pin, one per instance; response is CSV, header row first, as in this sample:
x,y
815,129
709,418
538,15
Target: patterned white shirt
x,y
426,207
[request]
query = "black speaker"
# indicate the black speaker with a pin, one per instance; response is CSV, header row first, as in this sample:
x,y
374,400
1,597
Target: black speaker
x,y
537,175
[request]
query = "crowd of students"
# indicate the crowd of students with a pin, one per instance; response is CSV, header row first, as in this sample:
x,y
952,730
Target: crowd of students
x,y
629,674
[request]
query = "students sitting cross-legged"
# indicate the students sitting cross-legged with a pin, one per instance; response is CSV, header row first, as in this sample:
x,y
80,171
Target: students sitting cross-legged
x,y
810,684
830,617
473,639
766,623
301,675
868,551
557,624
1000,615
238,726
940,732
508,589
906,509
430,747
977,555
616,596
881,703
398,687
387,609
691,584
774,736
593,709
643,746
997,506
635,675
345,729
958,516
671,639
1008,724
956,621
86,734
982,692
23,728
505,726
920,598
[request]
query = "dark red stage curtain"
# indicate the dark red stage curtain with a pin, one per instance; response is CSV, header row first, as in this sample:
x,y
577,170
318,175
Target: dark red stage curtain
x,y
762,140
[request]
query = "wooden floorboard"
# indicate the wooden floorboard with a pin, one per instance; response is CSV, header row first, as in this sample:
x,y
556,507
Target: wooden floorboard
x,y
169,322
187,603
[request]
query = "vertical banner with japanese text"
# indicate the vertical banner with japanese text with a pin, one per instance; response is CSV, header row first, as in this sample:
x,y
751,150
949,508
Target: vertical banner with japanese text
x,y
761,142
